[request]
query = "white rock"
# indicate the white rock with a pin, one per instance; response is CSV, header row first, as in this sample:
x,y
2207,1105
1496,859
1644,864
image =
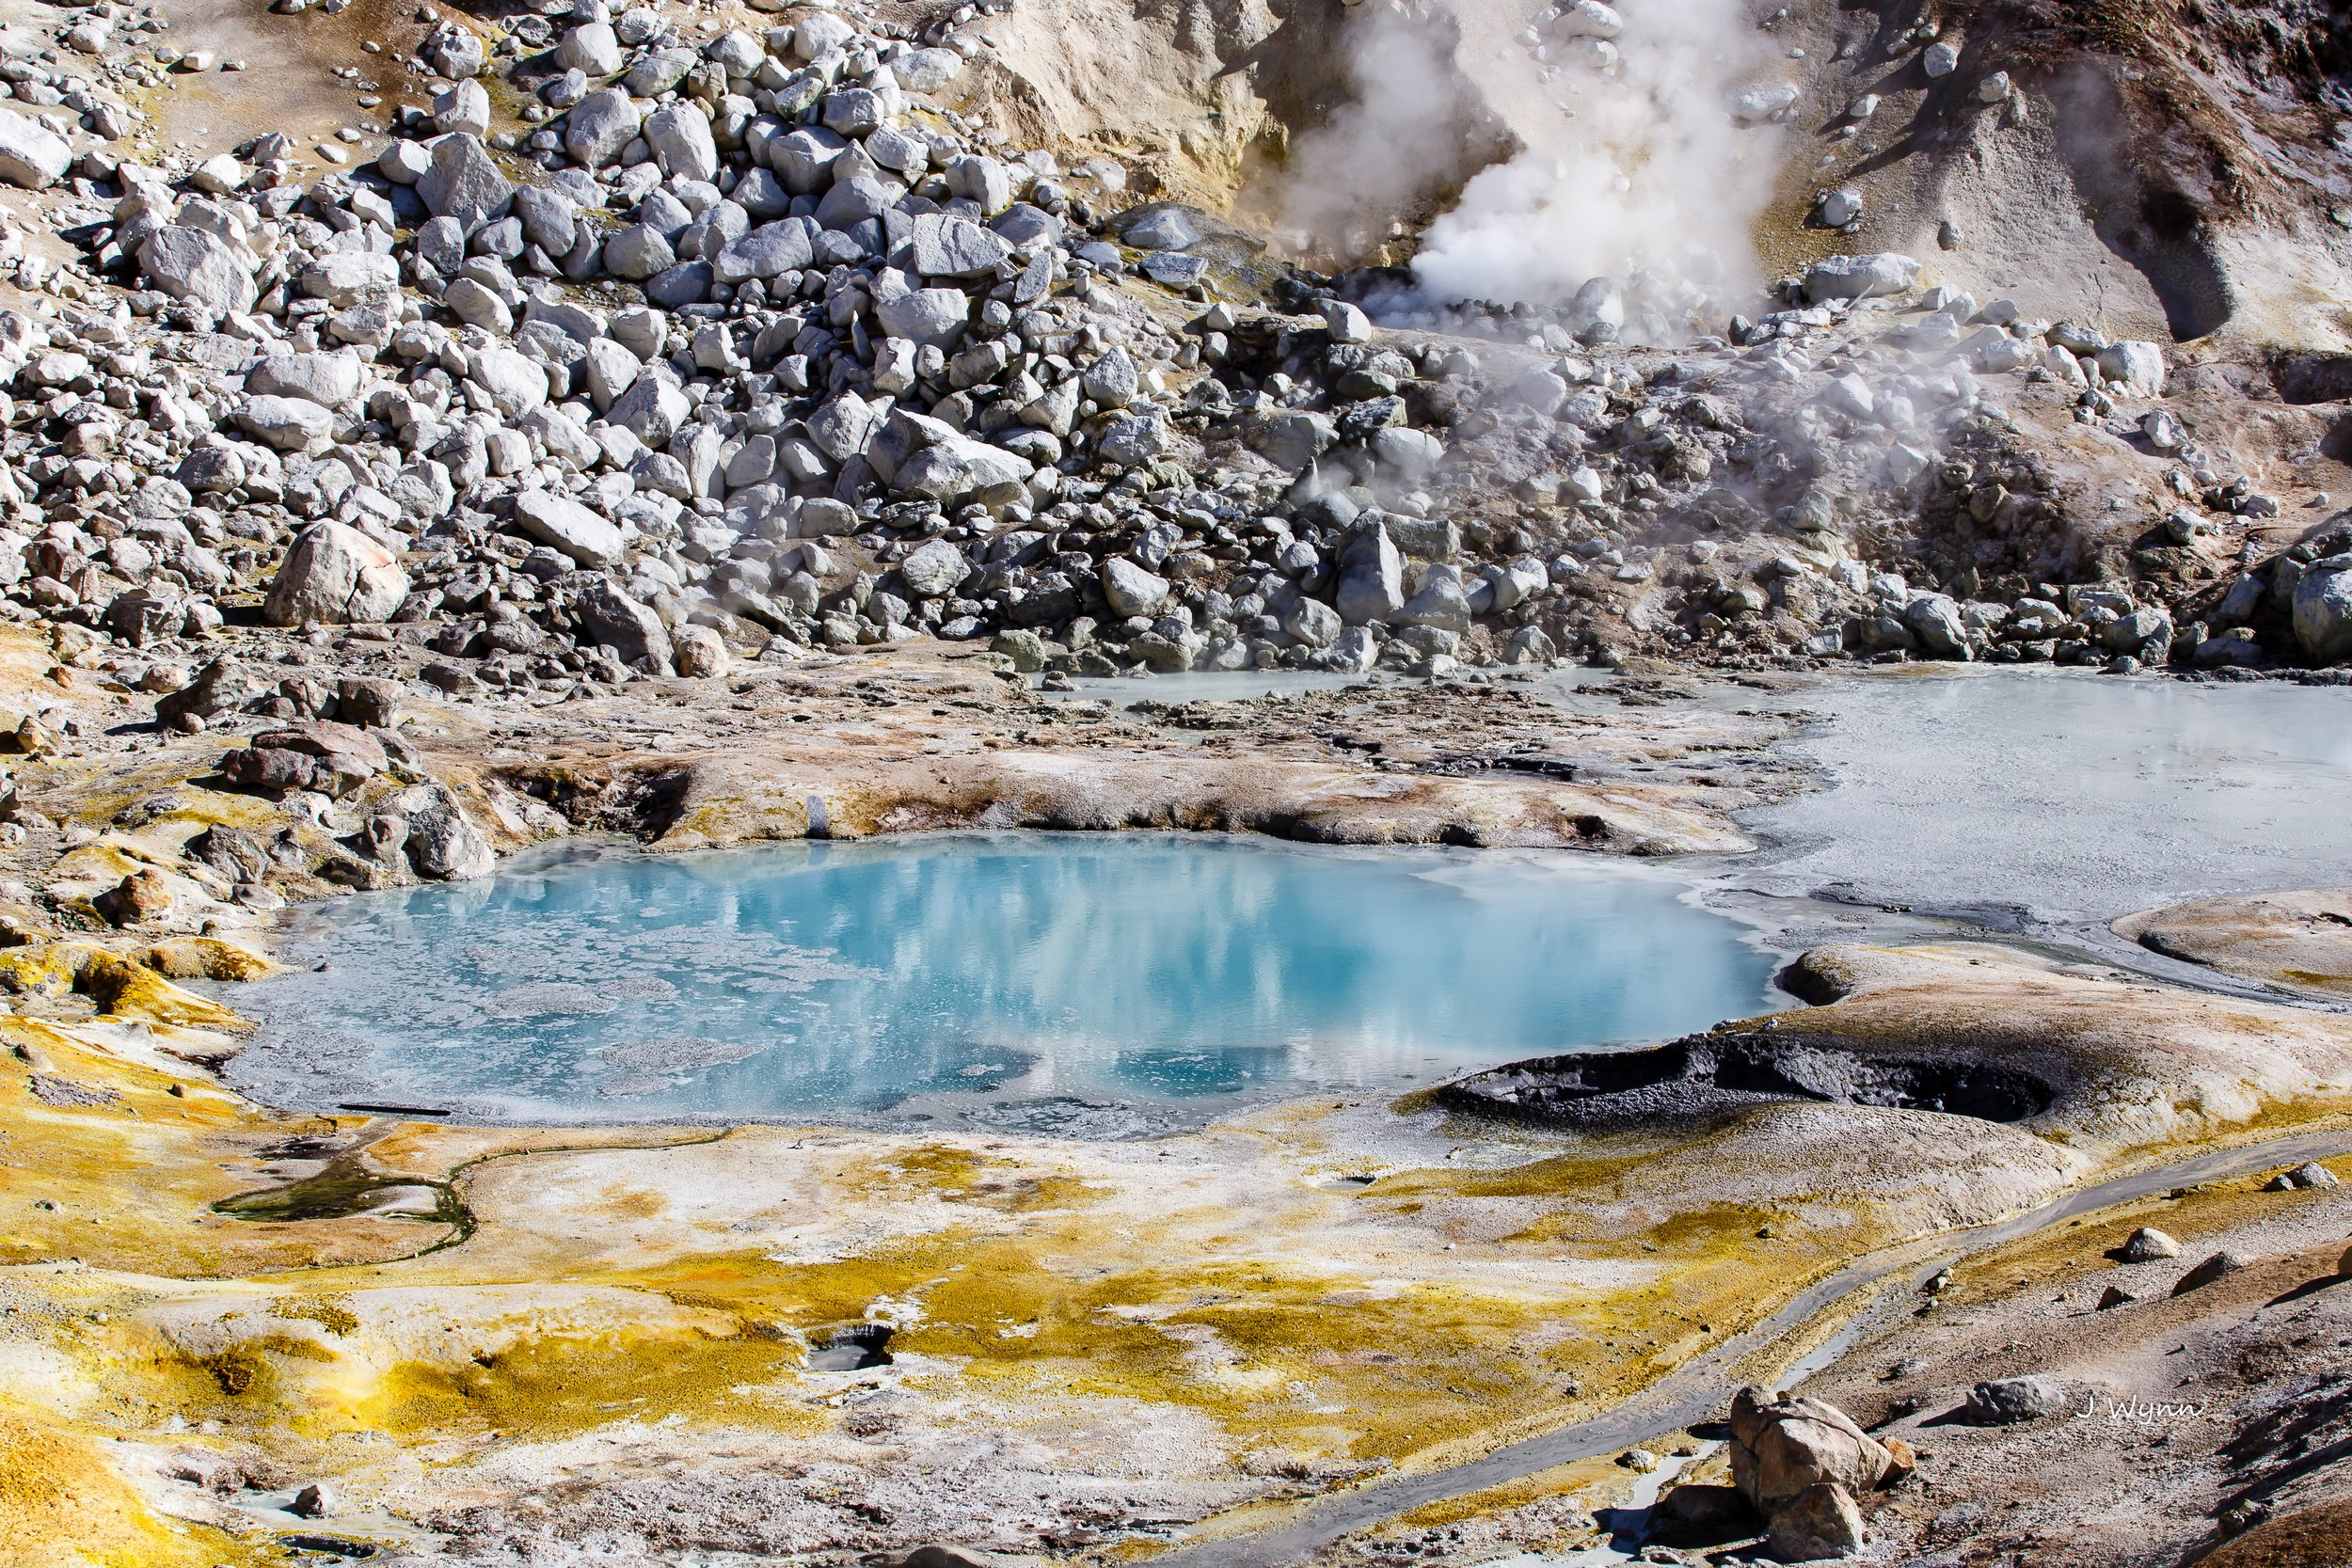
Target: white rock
x,y
2135,366
335,574
30,157
1347,322
564,524
1130,589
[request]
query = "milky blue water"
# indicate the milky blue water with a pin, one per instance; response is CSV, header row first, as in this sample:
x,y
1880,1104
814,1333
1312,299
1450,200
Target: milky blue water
x,y
1103,984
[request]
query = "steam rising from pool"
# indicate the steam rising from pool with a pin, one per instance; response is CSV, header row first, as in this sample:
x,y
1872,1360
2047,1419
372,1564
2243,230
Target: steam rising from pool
x,y
1087,983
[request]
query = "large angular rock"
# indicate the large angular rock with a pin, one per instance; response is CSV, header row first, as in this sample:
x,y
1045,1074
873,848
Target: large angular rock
x,y
2323,610
1934,620
1371,578
611,619
564,524
1130,589
30,156
652,409
933,316
1860,276
329,380
934,569
1819,1525
599,126
336,574
2134,367
1314,622
958,468
638,252
198,267
1780,1447
441,844
770,249
681,142
948,247
222,685
349,276
2006,1401
286,424
592,48
464,182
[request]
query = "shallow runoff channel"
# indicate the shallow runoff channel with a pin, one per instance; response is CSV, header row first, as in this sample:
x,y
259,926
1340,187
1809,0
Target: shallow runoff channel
x,y
1089,985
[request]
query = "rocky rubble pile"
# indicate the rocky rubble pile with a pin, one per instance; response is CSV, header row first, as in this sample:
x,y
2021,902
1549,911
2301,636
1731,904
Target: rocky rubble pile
x,y
747,351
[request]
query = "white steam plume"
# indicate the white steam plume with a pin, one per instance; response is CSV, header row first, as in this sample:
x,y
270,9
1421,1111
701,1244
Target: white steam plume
x,y
1633,162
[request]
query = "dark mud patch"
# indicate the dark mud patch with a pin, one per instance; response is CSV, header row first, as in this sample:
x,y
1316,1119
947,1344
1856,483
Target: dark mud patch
x,y
1703,1077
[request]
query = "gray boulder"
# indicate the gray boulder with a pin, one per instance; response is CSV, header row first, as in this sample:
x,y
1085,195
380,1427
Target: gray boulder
x,y
198,267
1371,578
934,569
2006,1401
329,380
638,252
1130,589
767,251
956,248
463,183
599,126
1934,620
681,142
2323,610
286,424
441,844
591,47
611,619
1312,622
954,469
564,524
30,157
934,316
1860,276
336,574
652,409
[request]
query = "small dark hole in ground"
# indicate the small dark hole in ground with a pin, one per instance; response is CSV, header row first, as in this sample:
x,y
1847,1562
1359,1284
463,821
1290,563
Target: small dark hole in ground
x,y
852,1349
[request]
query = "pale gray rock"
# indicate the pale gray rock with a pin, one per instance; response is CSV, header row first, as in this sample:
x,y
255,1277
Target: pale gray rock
x,y
286,424
592,47
925,316
610,618
328,379
564,524
1860,276
463,183
956,248
1131,589
31,157
681,142
934,569
336,574
1371,578
599,126
638,252
198,267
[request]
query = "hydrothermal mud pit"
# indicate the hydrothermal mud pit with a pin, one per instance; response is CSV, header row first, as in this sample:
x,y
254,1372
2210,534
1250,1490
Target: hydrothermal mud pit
x,y
1094,984
1694,1080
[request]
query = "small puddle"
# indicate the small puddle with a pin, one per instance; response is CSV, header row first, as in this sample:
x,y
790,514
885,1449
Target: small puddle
x,y
1094,984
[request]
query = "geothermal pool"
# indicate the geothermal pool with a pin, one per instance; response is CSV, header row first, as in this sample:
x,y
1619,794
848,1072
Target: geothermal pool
x,y
1090,984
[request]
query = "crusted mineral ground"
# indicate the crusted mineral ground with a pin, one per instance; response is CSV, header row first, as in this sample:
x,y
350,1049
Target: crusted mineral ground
x,y
2300,941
